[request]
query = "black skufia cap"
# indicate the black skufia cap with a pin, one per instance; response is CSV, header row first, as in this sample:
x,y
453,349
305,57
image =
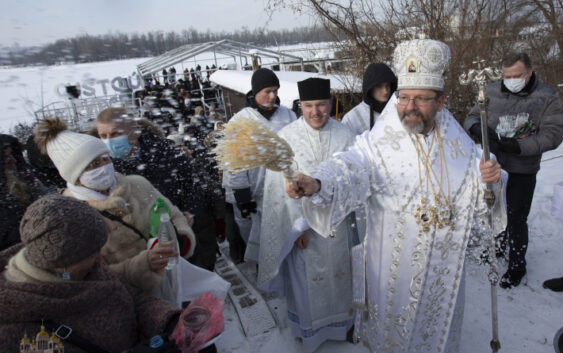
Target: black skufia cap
x,y
314,88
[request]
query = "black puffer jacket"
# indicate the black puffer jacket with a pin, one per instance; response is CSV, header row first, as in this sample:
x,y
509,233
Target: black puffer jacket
x,y
374,75
543,105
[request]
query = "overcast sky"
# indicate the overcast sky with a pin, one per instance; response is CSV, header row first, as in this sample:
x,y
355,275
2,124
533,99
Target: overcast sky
x,y
32,22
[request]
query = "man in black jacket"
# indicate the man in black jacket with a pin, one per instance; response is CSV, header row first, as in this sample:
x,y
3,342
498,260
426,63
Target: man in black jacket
x,y
525,119
139,147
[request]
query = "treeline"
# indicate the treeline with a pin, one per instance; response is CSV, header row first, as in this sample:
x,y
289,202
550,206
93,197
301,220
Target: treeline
x,y
88,48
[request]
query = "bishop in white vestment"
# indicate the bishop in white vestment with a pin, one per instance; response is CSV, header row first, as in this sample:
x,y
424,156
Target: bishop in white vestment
x,y
311,271
421,179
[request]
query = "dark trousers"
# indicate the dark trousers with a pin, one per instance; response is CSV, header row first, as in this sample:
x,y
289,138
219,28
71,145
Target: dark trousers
x,y
237,246
205,253
519,195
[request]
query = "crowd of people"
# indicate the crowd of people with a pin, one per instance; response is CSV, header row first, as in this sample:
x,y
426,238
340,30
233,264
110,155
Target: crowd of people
x,y
367,242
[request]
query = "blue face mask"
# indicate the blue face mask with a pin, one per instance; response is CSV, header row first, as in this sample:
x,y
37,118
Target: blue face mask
x,y
119,147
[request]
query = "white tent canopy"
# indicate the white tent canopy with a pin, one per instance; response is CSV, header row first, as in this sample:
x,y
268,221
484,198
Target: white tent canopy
x,y
225,47
239,81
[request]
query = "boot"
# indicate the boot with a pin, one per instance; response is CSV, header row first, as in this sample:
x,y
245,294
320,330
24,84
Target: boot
x,y
512,278
555,284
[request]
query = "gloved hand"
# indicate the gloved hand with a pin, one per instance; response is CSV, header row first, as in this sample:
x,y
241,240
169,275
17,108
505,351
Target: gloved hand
x,y
244,201
247,208
220,229
509,145
475,131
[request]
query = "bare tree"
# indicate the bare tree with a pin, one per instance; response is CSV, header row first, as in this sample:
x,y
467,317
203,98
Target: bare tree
x,y
368,30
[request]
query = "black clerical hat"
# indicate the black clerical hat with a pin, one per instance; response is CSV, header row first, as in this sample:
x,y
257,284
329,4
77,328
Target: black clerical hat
x,y
314,88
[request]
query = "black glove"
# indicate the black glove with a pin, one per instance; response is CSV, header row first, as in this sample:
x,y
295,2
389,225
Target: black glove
x,y
475,131
509,145
244,201
247,208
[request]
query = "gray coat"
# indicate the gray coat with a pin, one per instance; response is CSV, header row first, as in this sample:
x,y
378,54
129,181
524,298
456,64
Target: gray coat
x,y
543,105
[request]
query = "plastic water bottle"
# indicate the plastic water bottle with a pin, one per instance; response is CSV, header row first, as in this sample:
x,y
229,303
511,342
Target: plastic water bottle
x,y
157,209
167,239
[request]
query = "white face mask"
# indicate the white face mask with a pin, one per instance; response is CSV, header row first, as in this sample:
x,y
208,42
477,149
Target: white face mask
x,y
99,179
514,85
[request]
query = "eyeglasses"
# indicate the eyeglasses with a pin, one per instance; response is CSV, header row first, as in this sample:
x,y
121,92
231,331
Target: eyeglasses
x,y
418,101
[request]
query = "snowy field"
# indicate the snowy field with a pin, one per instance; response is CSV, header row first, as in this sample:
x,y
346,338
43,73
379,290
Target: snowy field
x,y
529,315
25,90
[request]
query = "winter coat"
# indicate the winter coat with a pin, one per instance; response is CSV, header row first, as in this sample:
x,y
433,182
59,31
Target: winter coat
x,y
358,119
102,308
12,208
166,167
543,105
125,251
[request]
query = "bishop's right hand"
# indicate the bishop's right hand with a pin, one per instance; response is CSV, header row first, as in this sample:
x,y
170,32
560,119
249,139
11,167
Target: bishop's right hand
x,y
306,186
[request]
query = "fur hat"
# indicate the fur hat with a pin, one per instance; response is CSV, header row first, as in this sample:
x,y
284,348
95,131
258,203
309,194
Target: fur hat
x,y
59,231
71,152
421,64
263,78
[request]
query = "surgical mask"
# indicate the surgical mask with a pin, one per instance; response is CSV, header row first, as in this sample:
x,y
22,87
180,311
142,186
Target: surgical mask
x,y
119,147
514,85
99,179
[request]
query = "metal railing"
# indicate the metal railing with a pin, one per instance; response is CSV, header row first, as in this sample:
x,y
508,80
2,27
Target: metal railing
x,y
80,114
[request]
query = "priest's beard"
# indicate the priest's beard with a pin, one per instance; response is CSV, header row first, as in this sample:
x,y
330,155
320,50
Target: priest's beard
x,y
418,127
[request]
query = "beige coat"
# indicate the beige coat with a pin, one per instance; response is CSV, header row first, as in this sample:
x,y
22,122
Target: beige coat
x,y
125,251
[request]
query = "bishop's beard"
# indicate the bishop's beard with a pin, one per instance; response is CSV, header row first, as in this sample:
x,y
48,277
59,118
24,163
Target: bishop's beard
x,y
421,125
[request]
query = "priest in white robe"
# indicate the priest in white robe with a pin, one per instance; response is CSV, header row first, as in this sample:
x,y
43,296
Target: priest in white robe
x,y
422,181
245,190
377,86
312,272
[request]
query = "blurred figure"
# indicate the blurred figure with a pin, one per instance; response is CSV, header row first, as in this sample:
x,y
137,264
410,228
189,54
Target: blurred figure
x,y
139,147
18,188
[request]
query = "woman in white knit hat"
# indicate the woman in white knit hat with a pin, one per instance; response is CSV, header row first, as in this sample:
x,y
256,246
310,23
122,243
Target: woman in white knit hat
x,y
83,162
